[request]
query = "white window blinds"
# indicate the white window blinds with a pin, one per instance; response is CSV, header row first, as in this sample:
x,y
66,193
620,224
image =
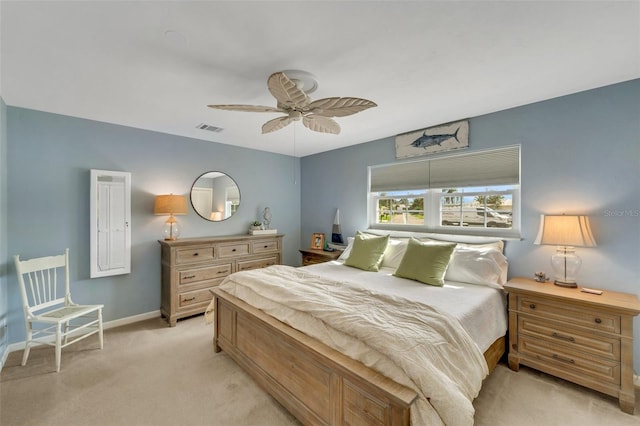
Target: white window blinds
x,y
486,168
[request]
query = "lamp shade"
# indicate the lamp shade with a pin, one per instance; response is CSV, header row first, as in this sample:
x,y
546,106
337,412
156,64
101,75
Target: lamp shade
x,y
170,204
565,230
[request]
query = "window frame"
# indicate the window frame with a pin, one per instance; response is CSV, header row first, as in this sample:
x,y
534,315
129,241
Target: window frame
x,y
432,214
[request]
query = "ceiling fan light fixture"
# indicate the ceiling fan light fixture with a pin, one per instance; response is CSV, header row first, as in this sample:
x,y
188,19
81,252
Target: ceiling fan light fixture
x,y
304,80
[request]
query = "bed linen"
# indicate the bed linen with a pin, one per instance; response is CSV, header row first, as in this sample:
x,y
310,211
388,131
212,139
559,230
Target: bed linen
x,y
410,342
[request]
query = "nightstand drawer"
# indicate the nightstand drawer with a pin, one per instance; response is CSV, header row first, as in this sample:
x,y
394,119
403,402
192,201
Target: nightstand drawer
x,y
203,274
574,339
569,314
194,255
565,359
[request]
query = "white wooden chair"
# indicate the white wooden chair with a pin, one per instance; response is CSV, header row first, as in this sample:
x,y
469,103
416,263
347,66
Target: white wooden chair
x,y
47,303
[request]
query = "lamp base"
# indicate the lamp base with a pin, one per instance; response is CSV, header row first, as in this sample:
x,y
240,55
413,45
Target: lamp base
x,y
564,284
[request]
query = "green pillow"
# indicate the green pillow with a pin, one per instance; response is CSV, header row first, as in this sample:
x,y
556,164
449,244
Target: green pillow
x,y
367,251
425,262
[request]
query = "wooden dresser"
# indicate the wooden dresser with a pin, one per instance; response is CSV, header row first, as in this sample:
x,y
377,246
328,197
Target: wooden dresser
x,y
581,337
313,256
192,266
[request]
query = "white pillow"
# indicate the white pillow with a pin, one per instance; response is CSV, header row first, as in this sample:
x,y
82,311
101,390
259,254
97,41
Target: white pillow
x,y
394,252
483,266
347,251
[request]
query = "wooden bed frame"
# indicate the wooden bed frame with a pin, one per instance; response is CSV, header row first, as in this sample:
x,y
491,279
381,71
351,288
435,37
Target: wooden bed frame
x,y
316,383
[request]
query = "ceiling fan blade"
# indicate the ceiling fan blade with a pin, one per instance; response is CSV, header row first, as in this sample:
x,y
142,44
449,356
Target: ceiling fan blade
x,y
286,92
276,124
247,108
339,107
321,124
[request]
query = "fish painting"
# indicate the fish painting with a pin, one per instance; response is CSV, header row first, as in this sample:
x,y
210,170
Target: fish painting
x,y
425,141
432,140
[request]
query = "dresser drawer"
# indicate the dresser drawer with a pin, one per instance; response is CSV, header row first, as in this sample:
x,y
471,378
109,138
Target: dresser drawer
x,y
206,273
257,263
232,250
265,246
575,339
563,358
194,255
194,297
569,314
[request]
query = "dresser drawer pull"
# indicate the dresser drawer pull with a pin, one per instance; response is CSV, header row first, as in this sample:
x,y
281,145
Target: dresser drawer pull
x,y
598,320
189,277
195,254
532,306
189,299
223,272
563,359
266,246
562,337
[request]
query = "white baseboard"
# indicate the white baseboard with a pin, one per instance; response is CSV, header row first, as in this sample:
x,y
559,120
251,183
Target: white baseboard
x,y
106,325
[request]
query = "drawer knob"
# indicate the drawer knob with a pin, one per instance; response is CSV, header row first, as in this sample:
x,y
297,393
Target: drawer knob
x,y
195,254
532,306
266,246
598,320
189,299
233,250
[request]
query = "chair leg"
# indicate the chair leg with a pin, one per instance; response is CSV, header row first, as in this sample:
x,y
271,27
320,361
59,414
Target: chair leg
x,y
58,346
27,344
66,332
100,335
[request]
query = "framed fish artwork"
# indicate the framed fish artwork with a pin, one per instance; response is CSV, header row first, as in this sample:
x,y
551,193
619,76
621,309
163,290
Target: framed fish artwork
x,y
445,137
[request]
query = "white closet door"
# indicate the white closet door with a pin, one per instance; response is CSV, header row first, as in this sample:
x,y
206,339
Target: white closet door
x,y
110,219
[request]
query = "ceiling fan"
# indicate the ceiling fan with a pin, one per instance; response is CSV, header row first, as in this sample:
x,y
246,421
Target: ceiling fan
x,y
291,93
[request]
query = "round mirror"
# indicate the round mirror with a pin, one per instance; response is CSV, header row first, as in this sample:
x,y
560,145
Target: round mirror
x,y
215,196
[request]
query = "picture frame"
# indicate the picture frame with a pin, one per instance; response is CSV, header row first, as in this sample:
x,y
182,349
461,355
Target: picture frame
x,y
433,140
317,241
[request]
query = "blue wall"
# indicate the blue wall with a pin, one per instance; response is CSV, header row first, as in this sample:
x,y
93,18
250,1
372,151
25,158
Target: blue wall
x,y
49,159
580,154
3,230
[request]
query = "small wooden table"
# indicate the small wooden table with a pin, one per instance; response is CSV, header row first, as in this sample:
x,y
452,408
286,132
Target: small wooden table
x,y
583,338
313,256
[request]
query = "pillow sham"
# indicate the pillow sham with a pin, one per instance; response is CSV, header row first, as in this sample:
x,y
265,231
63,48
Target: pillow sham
x,y
482,266
367,251
394,253
347,251
425,262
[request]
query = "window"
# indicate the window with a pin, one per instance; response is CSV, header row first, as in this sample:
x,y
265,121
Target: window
x,y
475,193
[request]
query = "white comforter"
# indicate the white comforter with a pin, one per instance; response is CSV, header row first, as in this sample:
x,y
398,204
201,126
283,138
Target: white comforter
x,y
409,342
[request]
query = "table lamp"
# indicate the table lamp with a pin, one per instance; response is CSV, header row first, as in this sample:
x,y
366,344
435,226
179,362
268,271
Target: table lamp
x,y
170,204
566,232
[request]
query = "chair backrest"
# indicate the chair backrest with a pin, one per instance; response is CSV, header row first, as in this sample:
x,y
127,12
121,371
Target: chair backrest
x,y
44,281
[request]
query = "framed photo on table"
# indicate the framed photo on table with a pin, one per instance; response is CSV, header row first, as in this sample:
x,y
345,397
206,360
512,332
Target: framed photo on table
x,y
317,241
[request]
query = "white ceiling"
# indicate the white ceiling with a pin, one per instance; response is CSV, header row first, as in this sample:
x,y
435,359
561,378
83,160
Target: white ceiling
x,y
156,65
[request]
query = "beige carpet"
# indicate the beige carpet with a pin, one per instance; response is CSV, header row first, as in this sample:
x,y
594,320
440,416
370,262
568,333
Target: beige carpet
x,y
151,374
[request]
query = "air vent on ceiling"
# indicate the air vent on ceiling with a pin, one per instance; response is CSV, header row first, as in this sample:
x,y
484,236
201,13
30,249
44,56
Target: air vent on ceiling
x,y
209,127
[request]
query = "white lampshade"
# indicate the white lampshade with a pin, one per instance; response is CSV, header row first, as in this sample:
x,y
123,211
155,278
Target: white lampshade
x,y
565,232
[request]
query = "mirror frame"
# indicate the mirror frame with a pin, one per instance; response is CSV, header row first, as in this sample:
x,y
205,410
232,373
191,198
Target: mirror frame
x,y
215,174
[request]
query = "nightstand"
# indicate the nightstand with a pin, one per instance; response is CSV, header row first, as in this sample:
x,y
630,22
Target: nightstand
x,y
580,337
313,256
